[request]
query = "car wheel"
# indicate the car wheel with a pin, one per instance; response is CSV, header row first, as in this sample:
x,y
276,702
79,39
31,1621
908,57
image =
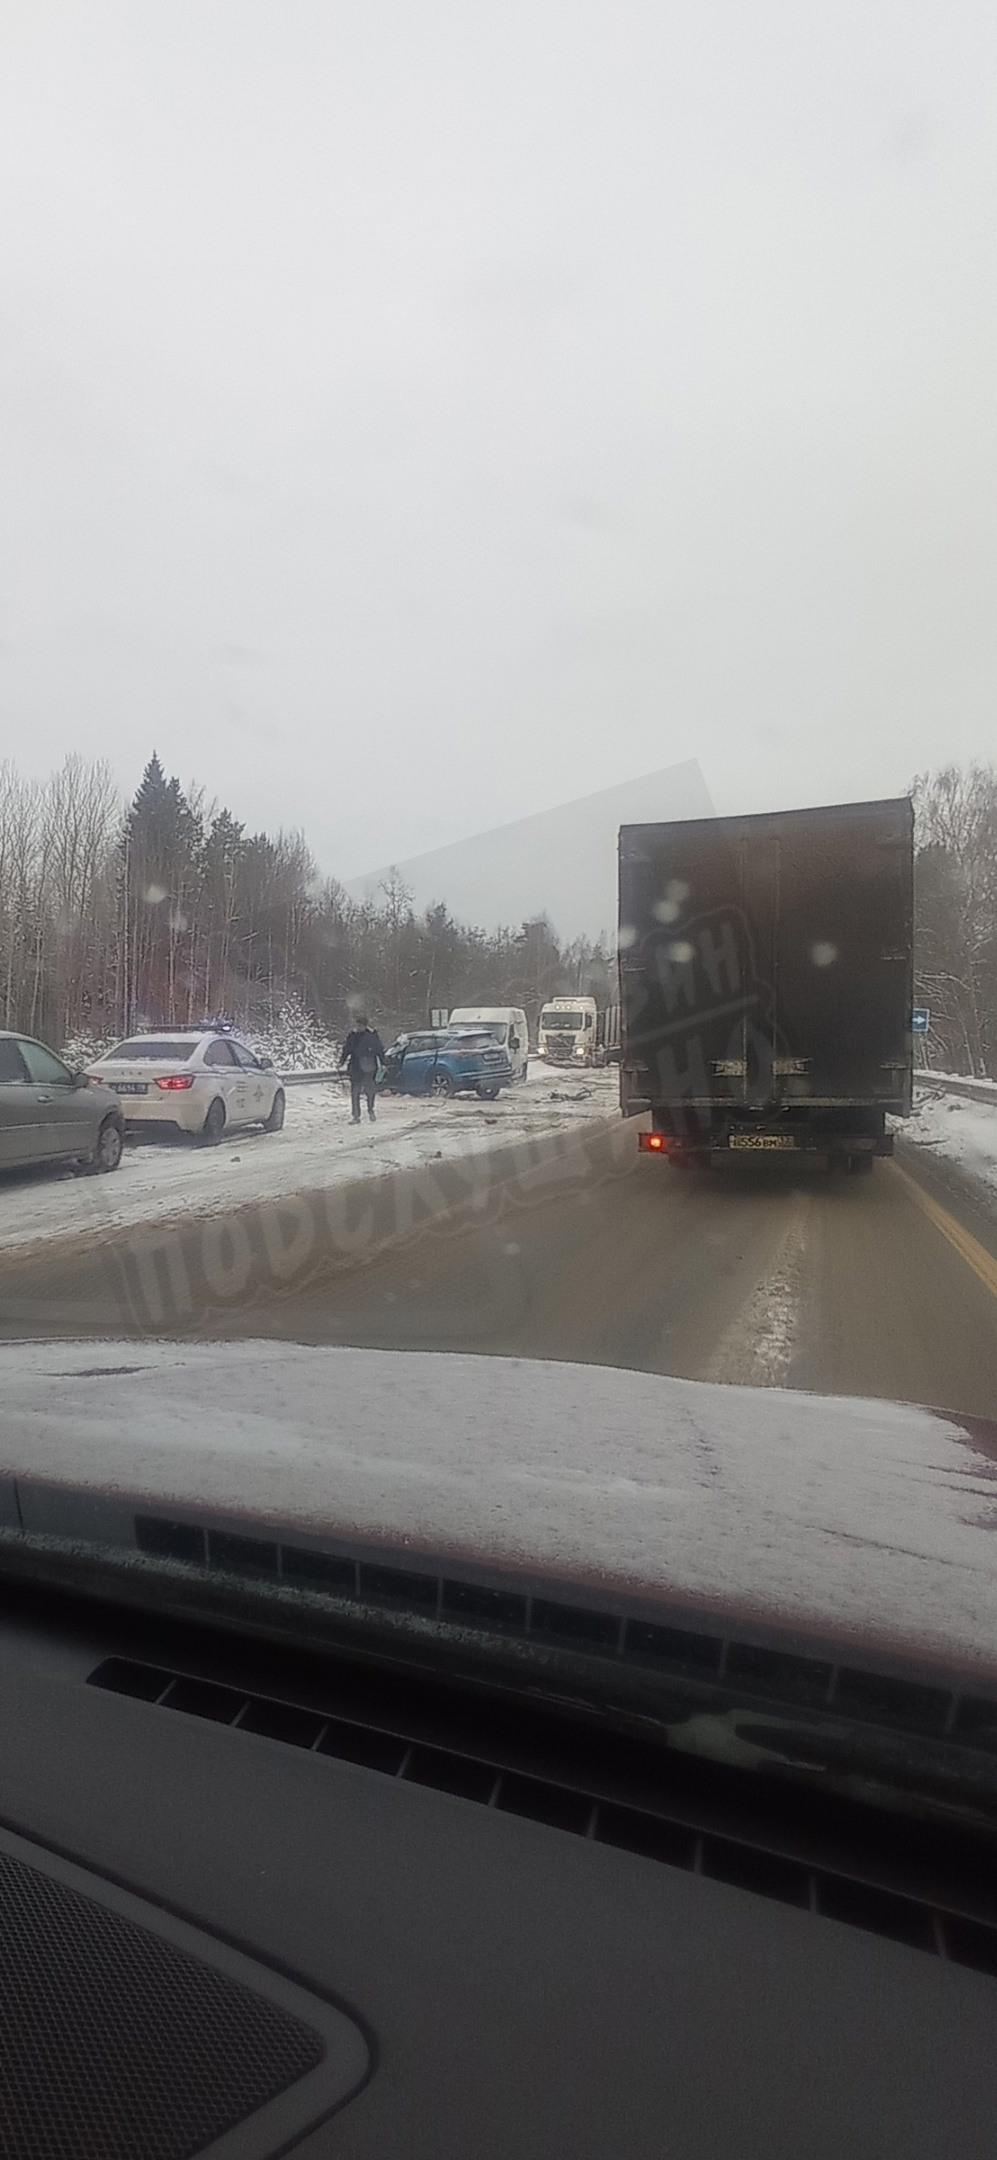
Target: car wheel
x,y
107,1153
441,1084
274,1122
488,1094
214,1123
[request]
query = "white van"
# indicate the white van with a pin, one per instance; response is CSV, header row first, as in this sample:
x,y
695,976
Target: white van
x,y
508,1025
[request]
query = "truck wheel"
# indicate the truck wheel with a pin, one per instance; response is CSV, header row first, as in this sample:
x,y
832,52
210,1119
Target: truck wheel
x,y
860,1165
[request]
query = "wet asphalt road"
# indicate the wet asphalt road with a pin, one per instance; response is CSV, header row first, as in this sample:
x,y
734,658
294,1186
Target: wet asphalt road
x,y
577,1250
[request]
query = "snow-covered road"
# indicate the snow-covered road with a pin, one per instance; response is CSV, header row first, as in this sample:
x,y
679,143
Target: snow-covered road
x,y
172,1180
167,1180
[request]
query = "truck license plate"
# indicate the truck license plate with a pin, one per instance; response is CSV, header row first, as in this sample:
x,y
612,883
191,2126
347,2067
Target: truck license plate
x,y
762,1140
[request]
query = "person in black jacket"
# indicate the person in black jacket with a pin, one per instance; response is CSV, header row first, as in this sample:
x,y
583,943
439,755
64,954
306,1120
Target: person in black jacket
x,y
362,1054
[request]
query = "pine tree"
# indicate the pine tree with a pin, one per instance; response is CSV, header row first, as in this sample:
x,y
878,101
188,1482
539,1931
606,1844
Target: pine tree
x,y
162,847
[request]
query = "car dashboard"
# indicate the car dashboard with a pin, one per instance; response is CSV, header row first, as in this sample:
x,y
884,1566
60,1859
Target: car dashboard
x,y
423,1919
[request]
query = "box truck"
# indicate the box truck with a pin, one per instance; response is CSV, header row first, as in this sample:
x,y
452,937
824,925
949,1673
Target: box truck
x,y
766,983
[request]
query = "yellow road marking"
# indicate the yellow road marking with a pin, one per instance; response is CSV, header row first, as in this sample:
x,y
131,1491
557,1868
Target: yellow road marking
x,y
969,1248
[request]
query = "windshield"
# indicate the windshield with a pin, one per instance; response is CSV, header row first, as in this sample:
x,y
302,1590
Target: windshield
x,y
149,1046
498,521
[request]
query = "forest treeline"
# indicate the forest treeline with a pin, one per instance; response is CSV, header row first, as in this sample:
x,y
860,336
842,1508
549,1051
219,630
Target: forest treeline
x,y
115,915
955,915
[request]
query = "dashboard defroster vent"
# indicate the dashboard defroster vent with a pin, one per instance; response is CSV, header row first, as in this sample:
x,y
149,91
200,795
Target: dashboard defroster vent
x,y
749,1864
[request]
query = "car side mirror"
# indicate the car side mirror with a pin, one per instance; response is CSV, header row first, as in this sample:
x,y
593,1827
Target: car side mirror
x,y
79,1078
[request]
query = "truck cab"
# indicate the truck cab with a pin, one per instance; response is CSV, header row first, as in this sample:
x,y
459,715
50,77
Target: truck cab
x,y
568,1031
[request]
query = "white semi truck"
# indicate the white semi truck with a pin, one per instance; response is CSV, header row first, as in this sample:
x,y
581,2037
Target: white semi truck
x,y
573,1031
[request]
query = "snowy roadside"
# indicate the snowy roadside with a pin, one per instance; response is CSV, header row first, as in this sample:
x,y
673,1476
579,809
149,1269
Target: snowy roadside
x,y
164,1180
960,1133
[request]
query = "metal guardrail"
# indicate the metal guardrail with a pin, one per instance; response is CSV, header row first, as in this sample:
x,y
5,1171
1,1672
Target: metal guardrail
x,y
984,1091
972,1090
304,1079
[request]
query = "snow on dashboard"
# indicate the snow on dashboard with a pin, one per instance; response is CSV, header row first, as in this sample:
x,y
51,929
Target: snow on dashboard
x,y
868,1521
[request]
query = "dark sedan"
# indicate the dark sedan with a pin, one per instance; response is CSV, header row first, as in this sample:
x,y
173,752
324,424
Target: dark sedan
x,y
51,1113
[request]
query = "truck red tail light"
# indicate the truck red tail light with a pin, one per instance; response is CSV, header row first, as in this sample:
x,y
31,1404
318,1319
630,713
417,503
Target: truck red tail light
x,y
651,1142
176,1080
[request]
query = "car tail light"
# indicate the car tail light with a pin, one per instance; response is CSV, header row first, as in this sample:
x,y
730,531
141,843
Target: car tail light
x,y
176,1080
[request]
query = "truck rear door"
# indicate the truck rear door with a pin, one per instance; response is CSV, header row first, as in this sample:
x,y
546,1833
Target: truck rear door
x,y
696,939
842,975
767,959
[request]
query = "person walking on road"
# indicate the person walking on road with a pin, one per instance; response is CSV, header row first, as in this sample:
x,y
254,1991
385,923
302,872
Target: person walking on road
x,y
362,1054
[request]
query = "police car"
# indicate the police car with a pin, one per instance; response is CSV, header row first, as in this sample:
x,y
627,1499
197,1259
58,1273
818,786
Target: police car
x,y
199,1081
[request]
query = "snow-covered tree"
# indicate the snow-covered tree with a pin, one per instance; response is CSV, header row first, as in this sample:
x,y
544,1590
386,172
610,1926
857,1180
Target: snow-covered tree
x,y
297,1042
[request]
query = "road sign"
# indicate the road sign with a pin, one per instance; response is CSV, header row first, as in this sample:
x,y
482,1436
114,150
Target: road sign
x,y
920,1020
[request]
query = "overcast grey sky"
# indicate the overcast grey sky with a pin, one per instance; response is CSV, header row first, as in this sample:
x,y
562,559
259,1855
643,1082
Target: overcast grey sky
x,y
414,413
